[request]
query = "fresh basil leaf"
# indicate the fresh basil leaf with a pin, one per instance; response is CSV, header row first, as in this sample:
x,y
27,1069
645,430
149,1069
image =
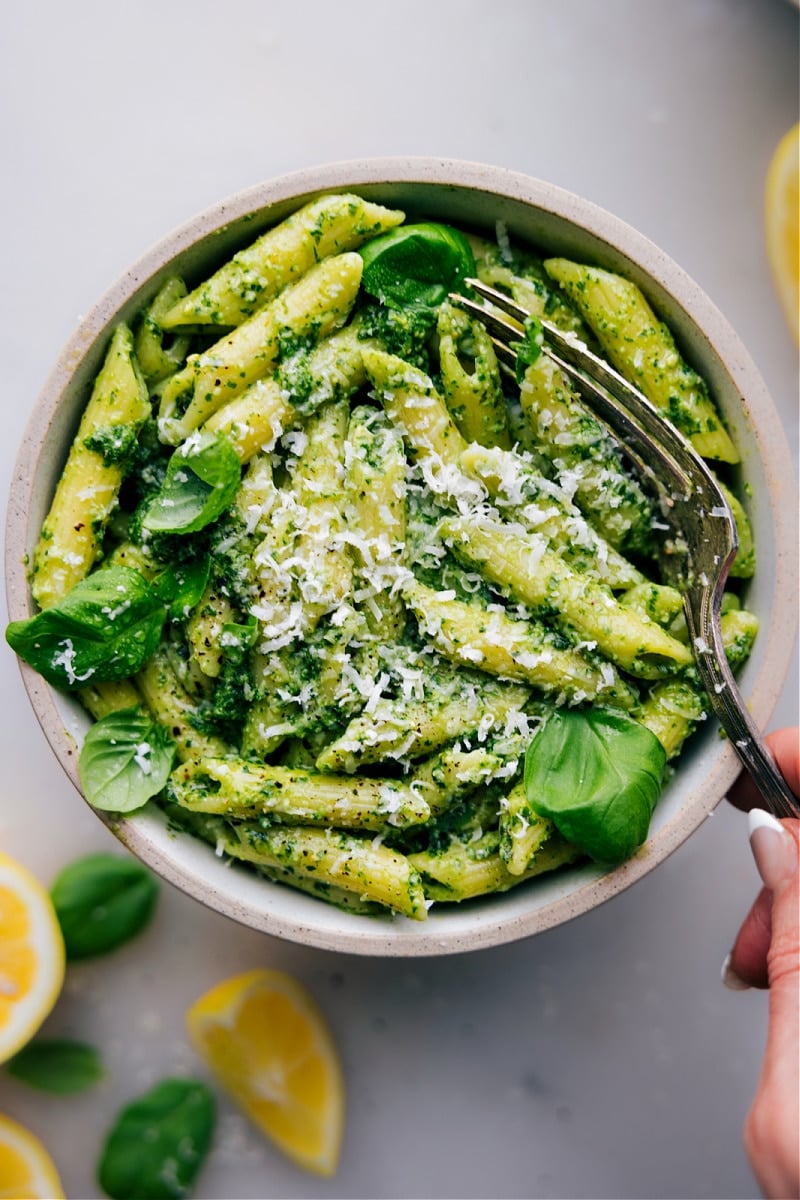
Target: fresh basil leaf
x,y
597,774
416,266
159,1142
236,639
181,585
529,349
57,1065
201,481
101,901
104,629
125,759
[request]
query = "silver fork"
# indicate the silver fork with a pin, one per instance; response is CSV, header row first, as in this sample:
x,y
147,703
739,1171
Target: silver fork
x,y
698,554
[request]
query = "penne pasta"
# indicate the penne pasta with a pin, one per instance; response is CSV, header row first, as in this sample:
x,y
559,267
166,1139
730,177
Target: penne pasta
x,y
238,789
360,865
87,491
373,600
281,256
473,393
535,576
314,307
644,350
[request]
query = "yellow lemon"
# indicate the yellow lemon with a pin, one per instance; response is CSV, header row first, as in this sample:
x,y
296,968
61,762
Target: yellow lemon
x,y
31,956
270,1047
782,216
26,1169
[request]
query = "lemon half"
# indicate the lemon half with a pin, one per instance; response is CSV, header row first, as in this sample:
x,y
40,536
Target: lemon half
x,y
782,218
26,1169
31,956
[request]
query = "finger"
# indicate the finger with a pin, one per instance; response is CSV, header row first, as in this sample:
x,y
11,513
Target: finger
x,y
746,965
772,1129
784,745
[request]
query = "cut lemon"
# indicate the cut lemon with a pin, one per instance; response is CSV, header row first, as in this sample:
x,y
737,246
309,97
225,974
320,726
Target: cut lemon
x,y
31,956
782,217
270,1047
26,1169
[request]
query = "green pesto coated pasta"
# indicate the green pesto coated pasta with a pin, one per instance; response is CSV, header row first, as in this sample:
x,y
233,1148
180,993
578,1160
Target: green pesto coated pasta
x,y
491,641
471,379
315,306
537,577
644,350
237,788
87,491
368,569
256,275
359,865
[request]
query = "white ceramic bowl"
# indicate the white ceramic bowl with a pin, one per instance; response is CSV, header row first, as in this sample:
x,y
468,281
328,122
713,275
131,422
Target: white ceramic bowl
x,y
474,196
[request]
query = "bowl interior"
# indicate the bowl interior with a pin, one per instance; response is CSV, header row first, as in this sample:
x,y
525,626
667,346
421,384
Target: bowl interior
x,y
474,197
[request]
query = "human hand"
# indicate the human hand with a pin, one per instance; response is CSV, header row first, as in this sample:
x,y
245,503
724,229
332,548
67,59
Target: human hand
x,y
766,953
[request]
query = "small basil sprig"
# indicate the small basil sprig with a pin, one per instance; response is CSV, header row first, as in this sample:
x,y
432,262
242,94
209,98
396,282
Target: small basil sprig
x,y
597,775
104,629
529,349
57,1065
416,266
125,759
101,901
159,1142
236,638
181,585
201,481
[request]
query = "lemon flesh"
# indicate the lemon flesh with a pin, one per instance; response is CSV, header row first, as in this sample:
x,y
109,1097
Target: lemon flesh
x,y
270,1047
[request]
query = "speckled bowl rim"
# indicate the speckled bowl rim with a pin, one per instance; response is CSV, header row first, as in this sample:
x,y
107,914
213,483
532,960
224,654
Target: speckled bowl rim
x,y
457,187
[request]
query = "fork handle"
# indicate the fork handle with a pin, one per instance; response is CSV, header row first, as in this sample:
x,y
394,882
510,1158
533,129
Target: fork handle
x,y
728,706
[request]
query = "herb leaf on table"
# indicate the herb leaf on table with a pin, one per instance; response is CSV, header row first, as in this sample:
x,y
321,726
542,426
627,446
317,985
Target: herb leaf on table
x,y
159,1142
57,1065
102,901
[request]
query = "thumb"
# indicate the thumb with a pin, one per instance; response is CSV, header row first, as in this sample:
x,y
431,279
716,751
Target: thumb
x,y
772,1129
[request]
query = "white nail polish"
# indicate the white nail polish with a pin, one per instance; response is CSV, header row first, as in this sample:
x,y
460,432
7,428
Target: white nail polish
x,y
759,818
732,981
773,848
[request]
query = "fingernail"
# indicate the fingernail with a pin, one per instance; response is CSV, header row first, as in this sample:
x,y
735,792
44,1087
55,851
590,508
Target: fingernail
x,y
773,848
731,979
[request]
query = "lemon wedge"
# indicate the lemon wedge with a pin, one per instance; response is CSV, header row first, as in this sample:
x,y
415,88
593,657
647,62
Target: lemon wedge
x,y
268,1044
782,216
26,1169
31,956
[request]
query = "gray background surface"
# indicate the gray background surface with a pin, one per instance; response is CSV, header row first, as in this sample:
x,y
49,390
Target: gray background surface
x,y
604,1058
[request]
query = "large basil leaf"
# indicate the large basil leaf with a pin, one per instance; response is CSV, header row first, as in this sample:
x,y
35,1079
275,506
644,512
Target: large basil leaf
x,y
597,775
57,1065
416,266
125,759
159,1142
101,901
104,629
201,481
